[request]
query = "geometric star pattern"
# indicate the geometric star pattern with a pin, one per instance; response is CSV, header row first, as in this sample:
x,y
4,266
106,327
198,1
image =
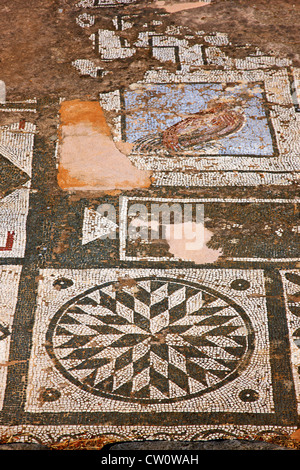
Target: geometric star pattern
x,y
159,341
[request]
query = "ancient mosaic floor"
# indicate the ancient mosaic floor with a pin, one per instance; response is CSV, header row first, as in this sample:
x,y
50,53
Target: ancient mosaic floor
x,y
143,337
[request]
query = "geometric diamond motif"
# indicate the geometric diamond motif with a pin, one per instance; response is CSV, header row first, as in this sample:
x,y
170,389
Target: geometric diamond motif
x,y
163,340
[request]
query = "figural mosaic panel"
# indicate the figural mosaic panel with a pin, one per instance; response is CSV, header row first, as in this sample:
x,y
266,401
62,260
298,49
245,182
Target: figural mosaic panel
x,y
214,120
208,133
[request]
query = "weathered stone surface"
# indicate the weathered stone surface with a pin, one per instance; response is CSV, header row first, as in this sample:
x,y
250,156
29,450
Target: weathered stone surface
x,y
149,225
22,446
195,446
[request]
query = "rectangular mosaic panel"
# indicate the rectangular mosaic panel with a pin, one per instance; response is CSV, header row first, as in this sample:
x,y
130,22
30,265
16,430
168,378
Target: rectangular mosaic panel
x,y
209,128
16,154
13,218
291,283
258,237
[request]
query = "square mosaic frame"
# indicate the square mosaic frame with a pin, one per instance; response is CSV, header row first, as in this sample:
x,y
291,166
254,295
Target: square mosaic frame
x,y
291,283
212,412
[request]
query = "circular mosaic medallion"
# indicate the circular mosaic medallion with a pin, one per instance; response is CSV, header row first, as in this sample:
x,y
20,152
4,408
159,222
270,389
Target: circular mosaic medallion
x,y
161,340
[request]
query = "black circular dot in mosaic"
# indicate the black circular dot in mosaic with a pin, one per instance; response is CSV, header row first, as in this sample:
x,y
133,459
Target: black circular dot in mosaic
x,y
249,395
63,283
162,340
240,284
50,394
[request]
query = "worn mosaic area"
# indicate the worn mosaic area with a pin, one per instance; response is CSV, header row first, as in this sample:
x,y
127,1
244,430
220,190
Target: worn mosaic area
x,y
143,337
224,213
